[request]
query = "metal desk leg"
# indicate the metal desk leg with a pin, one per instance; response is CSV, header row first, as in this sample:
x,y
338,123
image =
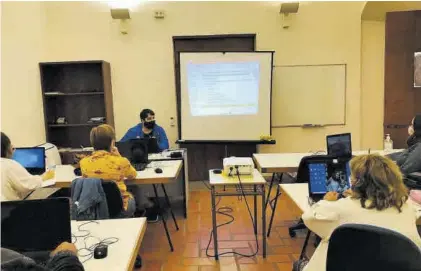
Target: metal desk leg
x,y
163,218
169,206
303,250
214,228
263,221
255,210
273,210
270,189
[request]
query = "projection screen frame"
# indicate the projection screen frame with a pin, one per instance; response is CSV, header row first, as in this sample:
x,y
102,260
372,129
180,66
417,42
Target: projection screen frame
x,y
179,105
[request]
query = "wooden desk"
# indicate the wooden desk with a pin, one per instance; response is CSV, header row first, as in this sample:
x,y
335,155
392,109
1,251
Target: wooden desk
x,y
298,194
170,171
122,254
251,185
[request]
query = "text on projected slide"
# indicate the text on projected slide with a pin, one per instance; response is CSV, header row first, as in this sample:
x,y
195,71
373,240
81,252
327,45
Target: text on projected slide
x,y
223,88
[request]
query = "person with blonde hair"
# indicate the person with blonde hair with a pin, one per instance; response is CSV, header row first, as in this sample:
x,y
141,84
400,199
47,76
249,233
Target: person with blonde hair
x,y
377,197
106,163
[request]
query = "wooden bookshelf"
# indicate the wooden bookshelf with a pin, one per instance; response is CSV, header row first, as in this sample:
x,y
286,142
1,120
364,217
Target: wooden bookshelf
x,y
78,91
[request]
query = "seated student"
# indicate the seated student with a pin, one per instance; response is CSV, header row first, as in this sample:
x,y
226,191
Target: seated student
x,y
377,197
16,182
63,258
147,129
106,163
410,159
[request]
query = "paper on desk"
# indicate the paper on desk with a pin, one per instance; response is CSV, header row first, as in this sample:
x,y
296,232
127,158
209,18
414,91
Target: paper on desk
x,y
48,183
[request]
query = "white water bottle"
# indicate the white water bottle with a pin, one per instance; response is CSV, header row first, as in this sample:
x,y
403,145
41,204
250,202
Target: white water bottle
x,y
388,143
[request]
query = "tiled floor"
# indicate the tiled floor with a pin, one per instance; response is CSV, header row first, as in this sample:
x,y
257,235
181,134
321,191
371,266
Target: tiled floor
x,y
191,240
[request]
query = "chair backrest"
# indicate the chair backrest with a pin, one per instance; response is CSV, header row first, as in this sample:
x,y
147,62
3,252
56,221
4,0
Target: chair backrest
x,y
114,200
354,247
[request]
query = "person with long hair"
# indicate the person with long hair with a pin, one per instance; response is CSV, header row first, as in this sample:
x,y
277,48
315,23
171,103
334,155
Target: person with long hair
x,y
409,160
16,182
377,197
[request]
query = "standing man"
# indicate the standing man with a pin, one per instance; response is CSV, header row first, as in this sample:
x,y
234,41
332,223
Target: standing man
x,y
148,129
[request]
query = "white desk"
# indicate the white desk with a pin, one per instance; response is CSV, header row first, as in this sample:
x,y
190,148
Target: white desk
x,y
298,194
122,254
170,171
289,162
251,185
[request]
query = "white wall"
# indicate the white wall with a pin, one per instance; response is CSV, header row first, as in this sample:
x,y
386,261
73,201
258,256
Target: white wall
x,y
372,83
22,48
142,61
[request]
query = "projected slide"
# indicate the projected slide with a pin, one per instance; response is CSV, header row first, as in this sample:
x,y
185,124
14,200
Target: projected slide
x,y
223,88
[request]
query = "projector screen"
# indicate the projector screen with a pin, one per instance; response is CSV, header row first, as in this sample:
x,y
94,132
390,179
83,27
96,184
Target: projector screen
x,y
225,96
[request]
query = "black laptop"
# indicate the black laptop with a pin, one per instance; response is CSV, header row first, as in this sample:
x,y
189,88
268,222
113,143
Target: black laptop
x,y
328,175
33,159
136,151
35,228
339,145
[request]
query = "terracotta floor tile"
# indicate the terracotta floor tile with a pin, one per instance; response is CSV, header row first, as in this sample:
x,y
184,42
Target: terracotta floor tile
x,y
284,266
198,261
245,237
173,267
211,252
278,258
257,267
191,250
285,250
209,268
191,240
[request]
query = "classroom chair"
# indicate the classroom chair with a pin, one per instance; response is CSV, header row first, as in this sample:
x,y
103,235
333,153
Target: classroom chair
x,y
354,247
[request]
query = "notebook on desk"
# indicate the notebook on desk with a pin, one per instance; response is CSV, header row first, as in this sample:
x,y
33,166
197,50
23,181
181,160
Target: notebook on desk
x,y
35,228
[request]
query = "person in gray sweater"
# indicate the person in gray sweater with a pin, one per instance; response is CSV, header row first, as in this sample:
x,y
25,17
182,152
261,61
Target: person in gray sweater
x,y
63,258
409,160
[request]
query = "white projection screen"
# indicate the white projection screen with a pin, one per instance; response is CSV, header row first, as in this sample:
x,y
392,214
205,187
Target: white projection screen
x,y
225,96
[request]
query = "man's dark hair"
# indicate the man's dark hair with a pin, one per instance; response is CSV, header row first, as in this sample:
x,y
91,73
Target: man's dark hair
x,y
145,113
5,144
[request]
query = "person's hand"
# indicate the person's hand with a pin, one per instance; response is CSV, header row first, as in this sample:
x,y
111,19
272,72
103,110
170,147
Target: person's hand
x,y
65,246
115,151
48,175
331,196
347,193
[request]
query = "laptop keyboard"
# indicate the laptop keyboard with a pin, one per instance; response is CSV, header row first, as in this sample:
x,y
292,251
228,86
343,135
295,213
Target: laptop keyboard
x,y
140,167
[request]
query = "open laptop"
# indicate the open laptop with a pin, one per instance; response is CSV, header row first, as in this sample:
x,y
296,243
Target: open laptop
x,y
33,159
326,176
136,150
153,145
339,145
35,228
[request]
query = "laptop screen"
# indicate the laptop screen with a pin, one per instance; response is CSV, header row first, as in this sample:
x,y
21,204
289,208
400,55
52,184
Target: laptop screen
x,y
136,150
328,177
33,159
35,225
339,145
